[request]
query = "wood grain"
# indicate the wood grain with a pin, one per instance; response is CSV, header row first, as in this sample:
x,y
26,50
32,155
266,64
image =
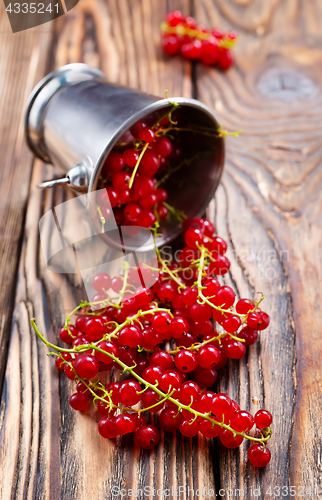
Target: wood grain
x,y
270,201
68,458
22,64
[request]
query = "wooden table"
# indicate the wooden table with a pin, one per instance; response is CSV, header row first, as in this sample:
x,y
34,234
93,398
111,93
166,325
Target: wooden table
x,y
268,207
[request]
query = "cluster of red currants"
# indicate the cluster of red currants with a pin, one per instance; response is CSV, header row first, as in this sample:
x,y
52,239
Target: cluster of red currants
x,y
171,340
129,177
182,35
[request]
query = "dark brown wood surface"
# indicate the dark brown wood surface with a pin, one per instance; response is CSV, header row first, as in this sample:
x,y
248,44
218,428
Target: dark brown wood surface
x,y
268,207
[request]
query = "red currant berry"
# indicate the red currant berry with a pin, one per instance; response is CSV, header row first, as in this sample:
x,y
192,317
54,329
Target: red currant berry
x,y
200,312
147,437
193,237
82,388
162,359
209,429
192,50
179,327
264,318
101,282
225,58
218,246
189,427
170,419
225,297
152,374
170,379
86,366
149,201
109,347
140,421
208,356
189,392
221,405
68,334
186,340
161,322
129,393
166,292
186,361
228,439
130,336
150,163
125,423
263,419
249,335
127,356
220,267
95,328
130,157
132,211
79,401
151,398
106,427
114,163
235,349
121,181
211,287
258,455
204,402
232,323
146,219
174,18
171,45
243,306
242,421
202,328
190,295
205,378
146,134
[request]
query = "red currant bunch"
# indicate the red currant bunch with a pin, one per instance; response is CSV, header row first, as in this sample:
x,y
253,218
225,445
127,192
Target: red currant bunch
x,y
182,35
171,340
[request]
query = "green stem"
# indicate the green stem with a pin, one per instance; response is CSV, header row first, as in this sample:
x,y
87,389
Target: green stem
x,y
138,164
151,386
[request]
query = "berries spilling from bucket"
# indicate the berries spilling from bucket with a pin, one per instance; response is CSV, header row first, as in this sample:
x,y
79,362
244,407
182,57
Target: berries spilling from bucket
x,y
182,35
168,343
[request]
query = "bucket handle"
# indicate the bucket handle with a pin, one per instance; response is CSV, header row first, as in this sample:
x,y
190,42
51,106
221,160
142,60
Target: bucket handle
x,y
77,179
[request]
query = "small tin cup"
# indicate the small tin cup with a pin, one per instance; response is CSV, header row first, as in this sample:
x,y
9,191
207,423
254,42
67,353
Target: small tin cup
x,y
74,118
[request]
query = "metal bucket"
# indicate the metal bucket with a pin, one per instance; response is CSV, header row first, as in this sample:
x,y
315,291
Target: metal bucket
x,y
74,117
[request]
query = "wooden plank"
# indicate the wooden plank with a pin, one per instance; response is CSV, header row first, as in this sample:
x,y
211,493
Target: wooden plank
x,y
22,63
68,458
269,206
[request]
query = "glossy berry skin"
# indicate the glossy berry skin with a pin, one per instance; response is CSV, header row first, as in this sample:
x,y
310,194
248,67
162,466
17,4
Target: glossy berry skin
x,y
225,297
193,237
79,401
205,377
170,45
128,393
150,398
161,322
258,455
254,320
130,157
68,334
263,419
152,374
130,336
150,163
121,181
249,335
170,419
225,58
147,437
243,306
110,347
125,423
204,402
232,323
166,292
95,328
242,421
86,366
208,356
186,361
220,267
264,321
200,312
235,349
211,287
140,421
162,359
190,295
188,427
106,427
208,429
179,327
101,282
114,163
221,405
227,439
113,388
132,211
146,134
170,379
189,392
